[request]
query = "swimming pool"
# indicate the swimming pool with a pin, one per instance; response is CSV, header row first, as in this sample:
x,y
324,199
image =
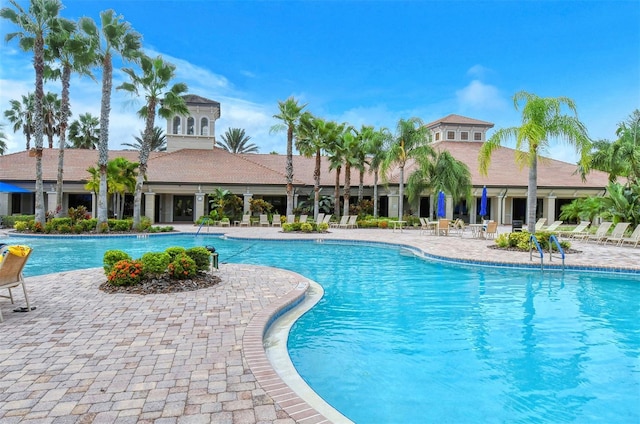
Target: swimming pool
x,y
409,340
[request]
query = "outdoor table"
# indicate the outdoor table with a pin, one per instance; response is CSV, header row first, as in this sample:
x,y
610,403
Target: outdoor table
x,y
476,230
397,224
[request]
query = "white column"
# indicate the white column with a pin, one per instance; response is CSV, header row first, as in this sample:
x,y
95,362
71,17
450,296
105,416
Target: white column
x,y
247,202
150,206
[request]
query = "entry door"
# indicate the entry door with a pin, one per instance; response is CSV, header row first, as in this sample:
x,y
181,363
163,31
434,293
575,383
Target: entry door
x,y
183,208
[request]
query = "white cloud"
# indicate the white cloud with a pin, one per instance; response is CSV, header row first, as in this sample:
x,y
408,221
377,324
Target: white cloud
x,y
480,96
478,71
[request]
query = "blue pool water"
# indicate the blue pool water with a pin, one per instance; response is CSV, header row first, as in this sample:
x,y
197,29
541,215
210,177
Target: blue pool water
x,y
400,339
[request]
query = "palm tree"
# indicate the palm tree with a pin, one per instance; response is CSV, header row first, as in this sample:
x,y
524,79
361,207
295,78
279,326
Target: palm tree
x,y
235,140
115,36
3,140
541,119
20,115
72,52
335,151
351,153
289,114
155,78
84,132
158,141
121,178
440,171
35,24
51,116
411,140
376,154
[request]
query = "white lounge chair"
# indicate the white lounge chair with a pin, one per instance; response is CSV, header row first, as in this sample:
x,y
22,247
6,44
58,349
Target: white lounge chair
x,y
246,220
264,220
617,233
319,218
275,220
540,223
342,223
553,226
601,232
634,238
578,231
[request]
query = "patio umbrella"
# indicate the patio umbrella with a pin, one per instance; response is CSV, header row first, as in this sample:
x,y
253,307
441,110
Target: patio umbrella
x,y
441,204
10,188
483,202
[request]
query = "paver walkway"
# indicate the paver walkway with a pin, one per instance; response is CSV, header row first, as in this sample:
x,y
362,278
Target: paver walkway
x,y
84,356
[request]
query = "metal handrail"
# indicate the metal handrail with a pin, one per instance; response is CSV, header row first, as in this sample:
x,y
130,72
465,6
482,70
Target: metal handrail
x,y
208,221
554,239
533,239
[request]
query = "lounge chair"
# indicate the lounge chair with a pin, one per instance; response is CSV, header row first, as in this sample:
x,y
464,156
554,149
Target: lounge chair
x,y
490,231
352,222
11,271
319,218
264,220
275,220
246,220
458,227
291,219
601,232
553,226
634,238
442,227
342,223
327,219
617,233
540,223
303,218
579,231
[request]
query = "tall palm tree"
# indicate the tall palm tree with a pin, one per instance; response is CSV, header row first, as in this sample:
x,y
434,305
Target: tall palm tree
x,y
542,118
84,132
376,154
335,152
121,178
440,171
158,141
290,112
151,83
351,154
3,140
34,26
71,52
411,140
115,36
235,140
20,115
51,116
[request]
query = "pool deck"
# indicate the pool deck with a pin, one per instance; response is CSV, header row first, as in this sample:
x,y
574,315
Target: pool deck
x,y
84,356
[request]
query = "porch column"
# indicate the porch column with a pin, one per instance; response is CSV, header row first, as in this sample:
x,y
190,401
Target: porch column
x,y
247,202
150,206
501,209
392,205
51,200
448,207
550,208
5,207
199,206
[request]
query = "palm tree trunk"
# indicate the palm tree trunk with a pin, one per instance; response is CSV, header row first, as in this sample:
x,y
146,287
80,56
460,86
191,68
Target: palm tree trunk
x,y
375,194
289,169
316,188
336,195
401,194
38,65
103,145
361,186
532,195
145,150
64,117
347,188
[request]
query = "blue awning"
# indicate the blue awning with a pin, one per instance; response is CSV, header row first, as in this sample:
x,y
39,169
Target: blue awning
x,y
10,188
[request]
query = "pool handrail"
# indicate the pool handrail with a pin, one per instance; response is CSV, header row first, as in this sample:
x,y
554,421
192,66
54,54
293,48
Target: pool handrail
x,y
554,240
533,240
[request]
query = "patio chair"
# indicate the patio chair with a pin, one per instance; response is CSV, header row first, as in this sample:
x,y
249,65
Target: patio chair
x,y
553,226
617,233
11,271
264,220
458,227
490,231
634,238
352,222
319,218
540,223
275,220
578,231
442,227
291,219
303,218
601,232
342,223
327,219
246,220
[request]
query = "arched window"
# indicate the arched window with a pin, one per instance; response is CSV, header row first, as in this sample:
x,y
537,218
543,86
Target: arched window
x,y
177,125
191,123
204,127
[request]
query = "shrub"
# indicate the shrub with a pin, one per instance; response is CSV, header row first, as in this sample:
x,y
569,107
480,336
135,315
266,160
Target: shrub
x,y
323,227
20,226
78,214
200,256
182,267
77,229
48,228
383,224
126,272
145,223
174,251
64,228
89,224
306,227
155,262
111,257
288,227
58,222
120,224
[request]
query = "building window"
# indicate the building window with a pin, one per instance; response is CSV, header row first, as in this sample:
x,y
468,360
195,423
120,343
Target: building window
x,y
437,136
176,125
464,136
451,135
204,127
191,123
477,136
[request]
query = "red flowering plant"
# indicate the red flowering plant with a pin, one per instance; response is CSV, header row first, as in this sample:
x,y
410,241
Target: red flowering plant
x,y
126,272
182,267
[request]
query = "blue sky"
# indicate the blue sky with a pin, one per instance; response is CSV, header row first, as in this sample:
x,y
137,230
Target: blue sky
x,y
368,62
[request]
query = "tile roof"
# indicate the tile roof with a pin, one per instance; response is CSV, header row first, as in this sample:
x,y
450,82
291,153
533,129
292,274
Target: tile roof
x,y
217,166
195,99
458,119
